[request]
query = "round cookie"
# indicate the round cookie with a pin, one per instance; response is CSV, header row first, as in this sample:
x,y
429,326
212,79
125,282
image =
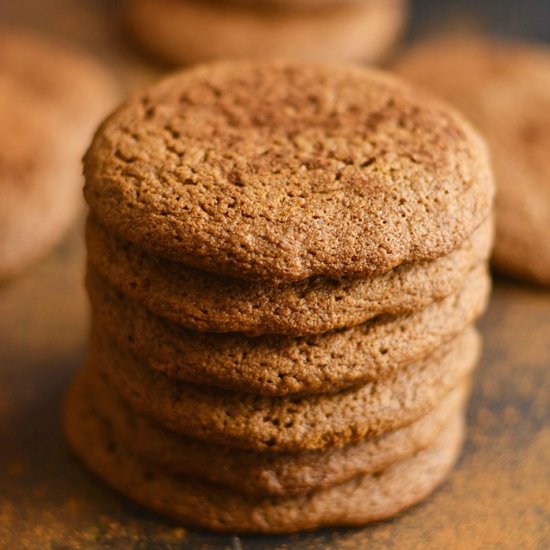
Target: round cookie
x,y
273,424
277,474
187,31
504,87
280,171
358,501
206,302
50,100
278,365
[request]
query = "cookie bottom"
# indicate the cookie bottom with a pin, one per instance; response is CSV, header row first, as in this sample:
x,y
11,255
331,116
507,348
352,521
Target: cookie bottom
x,y
363,499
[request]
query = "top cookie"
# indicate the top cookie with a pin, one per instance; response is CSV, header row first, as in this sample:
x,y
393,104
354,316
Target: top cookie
x,y
281,171
505,88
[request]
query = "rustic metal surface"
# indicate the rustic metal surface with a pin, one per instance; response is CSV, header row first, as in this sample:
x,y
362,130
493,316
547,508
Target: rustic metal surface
x,y
498,496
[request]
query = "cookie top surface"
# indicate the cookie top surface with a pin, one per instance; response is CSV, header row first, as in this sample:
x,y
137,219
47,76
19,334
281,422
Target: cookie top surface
x,y
504,87
282,171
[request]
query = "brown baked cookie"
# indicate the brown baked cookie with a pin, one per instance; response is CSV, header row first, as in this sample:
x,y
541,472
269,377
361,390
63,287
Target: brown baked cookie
x,y
273,424
187,31
50,102
206,302
281,171
279,365
277,474
358,501
504,87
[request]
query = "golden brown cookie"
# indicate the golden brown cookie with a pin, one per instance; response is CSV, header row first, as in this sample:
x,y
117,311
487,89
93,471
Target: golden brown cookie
x,y
187,31
260,423
358,501
504,87
50,102
206,302
281,171
279,365
277,474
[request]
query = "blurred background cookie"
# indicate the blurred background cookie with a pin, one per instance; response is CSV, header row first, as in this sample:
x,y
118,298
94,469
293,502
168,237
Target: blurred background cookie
x,y
50,101
504,88
187,31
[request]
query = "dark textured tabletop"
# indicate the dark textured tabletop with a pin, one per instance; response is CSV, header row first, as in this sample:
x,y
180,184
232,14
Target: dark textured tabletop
x,y
497,497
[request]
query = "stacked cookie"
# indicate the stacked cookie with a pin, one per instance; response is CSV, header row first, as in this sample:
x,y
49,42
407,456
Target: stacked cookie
x,y
285,263
187,31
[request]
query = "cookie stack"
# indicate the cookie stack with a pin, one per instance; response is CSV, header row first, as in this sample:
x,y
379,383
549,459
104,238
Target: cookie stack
x,y
187,31
285,263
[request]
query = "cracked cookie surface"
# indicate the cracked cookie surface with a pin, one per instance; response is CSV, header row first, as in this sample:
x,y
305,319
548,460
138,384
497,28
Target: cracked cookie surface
x,y
281,171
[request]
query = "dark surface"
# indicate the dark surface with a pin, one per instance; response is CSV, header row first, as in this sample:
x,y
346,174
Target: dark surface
x,y
498,496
